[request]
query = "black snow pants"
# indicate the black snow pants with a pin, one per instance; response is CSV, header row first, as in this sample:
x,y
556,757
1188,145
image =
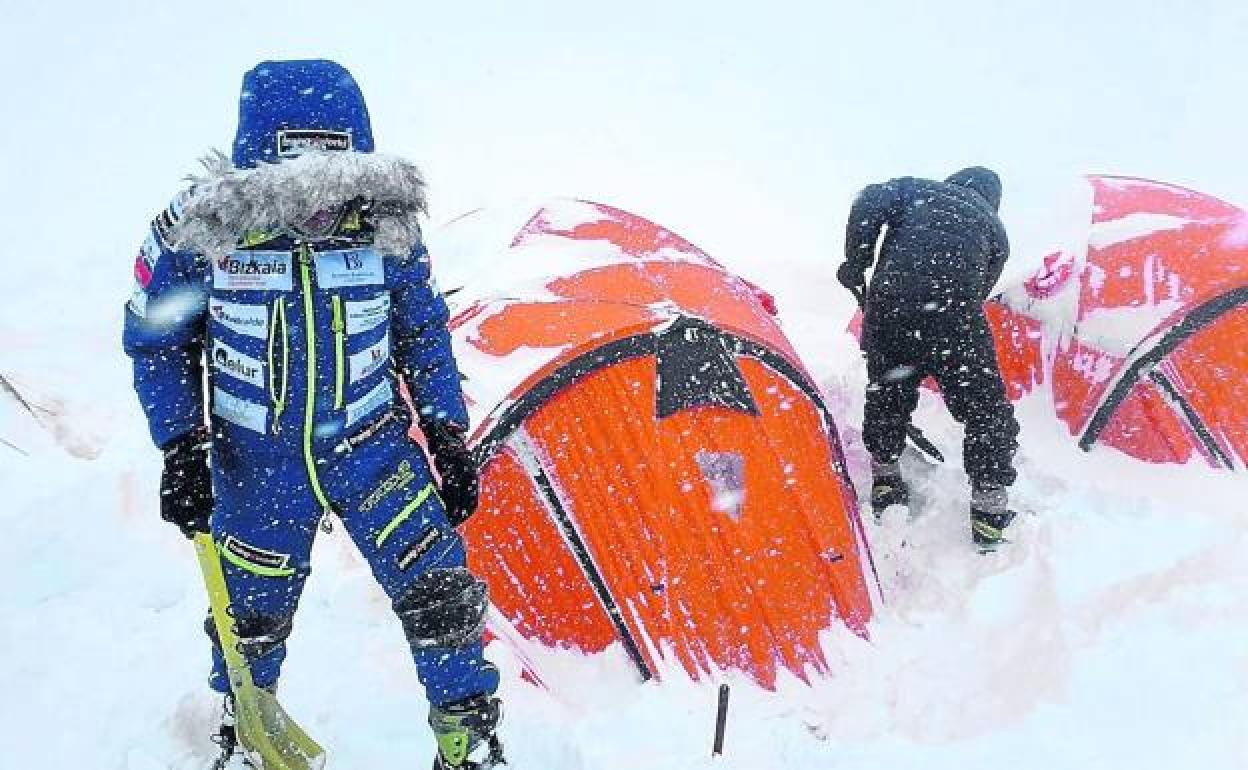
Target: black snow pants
x,y
907,339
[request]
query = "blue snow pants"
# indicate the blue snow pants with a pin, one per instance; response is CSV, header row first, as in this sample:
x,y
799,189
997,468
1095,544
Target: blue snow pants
x,y
266,516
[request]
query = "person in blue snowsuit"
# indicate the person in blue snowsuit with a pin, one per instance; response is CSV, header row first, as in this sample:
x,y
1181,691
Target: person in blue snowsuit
x,y
281,306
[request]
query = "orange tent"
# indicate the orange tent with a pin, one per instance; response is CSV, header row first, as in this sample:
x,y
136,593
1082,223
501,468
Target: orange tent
x,y
658,469
1140,330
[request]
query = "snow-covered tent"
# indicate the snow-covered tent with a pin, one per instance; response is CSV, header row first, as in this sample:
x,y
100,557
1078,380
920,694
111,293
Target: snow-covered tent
x,y
658,468
1141,327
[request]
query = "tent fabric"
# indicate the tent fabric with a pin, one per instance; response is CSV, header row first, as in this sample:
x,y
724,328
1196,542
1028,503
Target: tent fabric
x,y
658,469
1140,334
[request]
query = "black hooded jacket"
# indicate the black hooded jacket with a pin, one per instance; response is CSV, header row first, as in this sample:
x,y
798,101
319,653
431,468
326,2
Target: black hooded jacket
x,y
944,239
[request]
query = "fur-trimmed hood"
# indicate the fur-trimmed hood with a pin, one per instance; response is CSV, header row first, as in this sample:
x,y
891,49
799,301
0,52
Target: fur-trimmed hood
x,y
228,202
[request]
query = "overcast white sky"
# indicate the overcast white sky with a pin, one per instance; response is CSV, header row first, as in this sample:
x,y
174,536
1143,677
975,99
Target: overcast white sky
x,y
745,126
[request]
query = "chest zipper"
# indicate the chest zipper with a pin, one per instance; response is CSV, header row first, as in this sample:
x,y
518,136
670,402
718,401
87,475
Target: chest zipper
x,y
278,385
304,255
339,326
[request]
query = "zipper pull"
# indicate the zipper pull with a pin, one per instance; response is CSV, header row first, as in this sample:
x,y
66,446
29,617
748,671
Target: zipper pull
x,y
327,522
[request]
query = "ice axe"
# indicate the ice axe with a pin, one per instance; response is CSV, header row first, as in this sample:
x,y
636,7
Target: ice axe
x,y
920,441
265,731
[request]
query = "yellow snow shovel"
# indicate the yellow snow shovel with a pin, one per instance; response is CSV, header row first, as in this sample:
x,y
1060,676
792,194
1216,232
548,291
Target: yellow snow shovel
x,y
265,732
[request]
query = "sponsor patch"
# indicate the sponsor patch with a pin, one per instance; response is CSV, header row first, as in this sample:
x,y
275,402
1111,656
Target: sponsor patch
x,y
145,261
251,320
428,539
369,360
349,267
367,314
240,411
164,222
238,365
138,301
377,397
255,555
252,270
402,476
142,271
296,141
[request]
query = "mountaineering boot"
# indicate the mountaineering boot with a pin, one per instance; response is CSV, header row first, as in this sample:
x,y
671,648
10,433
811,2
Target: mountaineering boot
x,y
887,487
465,734
232,756
989,516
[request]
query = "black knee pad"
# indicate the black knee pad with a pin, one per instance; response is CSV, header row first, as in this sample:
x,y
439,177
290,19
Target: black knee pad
x,y
258,634
444,608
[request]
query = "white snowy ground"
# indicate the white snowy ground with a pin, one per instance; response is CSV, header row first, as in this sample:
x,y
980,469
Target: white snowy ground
x,y
1113,634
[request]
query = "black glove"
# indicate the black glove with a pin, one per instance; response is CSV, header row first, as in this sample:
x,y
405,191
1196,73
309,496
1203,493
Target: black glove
x,y
460,482
186,483
851,277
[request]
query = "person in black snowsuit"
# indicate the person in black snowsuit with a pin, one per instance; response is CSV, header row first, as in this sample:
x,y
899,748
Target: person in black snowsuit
x,y
943,250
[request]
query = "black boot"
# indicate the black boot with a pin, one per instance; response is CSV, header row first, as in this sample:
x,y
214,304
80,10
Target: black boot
x,y
887,487
465,734
989,516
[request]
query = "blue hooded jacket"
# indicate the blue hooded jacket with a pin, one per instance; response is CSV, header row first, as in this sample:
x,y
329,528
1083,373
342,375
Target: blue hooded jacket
x,y
304,338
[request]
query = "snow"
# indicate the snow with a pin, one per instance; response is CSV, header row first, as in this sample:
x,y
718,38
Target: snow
x,y
1118,330
1112,634
1237,236
1137,225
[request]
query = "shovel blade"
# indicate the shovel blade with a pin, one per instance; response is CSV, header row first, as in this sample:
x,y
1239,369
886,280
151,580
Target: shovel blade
x,y
270,737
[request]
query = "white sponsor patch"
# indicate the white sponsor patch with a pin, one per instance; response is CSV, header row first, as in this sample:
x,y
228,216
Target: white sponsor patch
x,y
369,359
296,141
373,400
243,367
251,270
251,320
350,267
365,315
150,251
240,411
138,301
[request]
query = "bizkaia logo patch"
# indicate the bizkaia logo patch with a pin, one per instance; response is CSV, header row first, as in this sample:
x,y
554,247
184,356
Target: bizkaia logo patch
x,y
235,266
296,141
251,320
253,270
228,360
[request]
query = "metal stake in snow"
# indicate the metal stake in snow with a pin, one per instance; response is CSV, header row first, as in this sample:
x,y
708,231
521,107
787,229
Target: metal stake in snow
x,y
721,720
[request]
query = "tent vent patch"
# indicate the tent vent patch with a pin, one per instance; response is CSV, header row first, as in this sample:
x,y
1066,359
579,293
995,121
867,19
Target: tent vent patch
x,y
725,473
